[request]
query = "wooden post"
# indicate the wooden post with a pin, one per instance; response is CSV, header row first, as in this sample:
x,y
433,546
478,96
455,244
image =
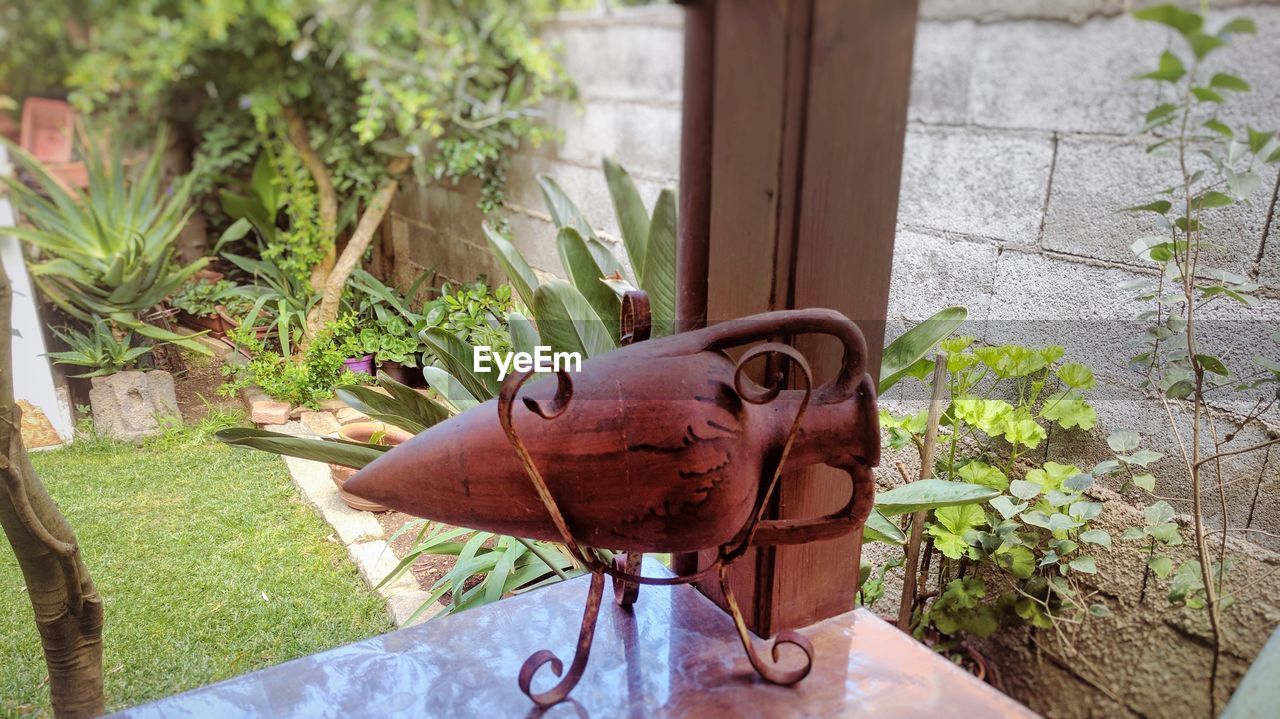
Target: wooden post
x,y
808,113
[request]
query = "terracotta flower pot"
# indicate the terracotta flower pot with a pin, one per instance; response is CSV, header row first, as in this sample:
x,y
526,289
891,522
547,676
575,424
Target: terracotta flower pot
x,y
402,373
364,432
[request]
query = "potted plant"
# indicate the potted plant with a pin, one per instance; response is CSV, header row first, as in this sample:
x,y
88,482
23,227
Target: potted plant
x,y
212,306
377,433
127,404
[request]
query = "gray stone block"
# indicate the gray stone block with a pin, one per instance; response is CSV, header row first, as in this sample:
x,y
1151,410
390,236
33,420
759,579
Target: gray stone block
x,y
128,406
645,138
628,54
1094,177
975,182
940,70
1056,76
930,273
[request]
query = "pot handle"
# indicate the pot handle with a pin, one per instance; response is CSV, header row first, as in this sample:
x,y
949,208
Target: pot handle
x,y
848,519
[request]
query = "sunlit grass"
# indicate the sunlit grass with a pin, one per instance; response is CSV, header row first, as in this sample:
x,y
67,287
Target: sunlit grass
x,y
209,564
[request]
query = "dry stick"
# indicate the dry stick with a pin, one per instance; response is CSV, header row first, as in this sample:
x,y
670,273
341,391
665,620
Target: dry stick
x,y
328,196
909,577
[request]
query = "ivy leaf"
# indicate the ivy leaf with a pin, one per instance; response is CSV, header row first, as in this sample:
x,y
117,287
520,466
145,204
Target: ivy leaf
x,y
1076,375
960,519
1084,564
1078,482
1018,560
984,474
1105,467
1145,481
1170,69
1142,457
1096,536
1023,489
1123,440
1133,533
1014,360
1052,474
1160,565
987,415
1021,429
950,544
1058,522
1085,511
1069,410
1007,508
1158,513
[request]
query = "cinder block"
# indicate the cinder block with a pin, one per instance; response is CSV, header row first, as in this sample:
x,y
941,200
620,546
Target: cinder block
x,y
975,182
1095,177
645,138
624,55
940,71
1057,76
930,273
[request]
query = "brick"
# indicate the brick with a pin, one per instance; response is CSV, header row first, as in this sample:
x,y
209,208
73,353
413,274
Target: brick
x,y
975,182
347,415
268,411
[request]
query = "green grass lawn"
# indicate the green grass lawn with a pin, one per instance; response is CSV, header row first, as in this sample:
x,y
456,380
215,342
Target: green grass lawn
x,y
209,564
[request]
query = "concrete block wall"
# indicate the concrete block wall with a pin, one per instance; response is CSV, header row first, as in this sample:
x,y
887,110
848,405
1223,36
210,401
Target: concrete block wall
x,y
1019,149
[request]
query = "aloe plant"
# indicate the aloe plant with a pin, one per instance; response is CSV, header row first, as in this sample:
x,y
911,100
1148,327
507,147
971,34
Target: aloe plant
x,y
108,252
97,350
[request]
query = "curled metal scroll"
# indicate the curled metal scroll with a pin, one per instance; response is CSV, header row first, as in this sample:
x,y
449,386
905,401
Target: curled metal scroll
x,y
626,571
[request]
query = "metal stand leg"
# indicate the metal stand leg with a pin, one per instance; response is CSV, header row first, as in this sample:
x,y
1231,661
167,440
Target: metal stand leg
x,y
544,656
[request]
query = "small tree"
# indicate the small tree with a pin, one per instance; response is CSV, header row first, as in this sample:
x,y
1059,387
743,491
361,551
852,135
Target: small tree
x,y
68,610
364,91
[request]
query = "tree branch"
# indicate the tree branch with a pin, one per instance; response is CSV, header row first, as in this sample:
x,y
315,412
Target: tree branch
x,y
328,196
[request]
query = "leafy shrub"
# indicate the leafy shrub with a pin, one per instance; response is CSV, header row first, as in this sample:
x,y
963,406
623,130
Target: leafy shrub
x,y
304,381
202,299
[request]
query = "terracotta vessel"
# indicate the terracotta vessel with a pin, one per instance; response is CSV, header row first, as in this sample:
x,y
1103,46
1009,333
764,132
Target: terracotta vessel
x,y
364,432
663,446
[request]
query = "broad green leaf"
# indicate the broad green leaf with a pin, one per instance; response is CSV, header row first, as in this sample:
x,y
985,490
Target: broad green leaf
x,y
931,494
977,472
1210,199
1052,474
1084,564
403,407
1007,508
1239,25
1017,559
1170,69
1158,513
987,415
1160,565
1069,410
1159,207
1021,429
1078,482
1184,21
1085,511
952,545
633,219
1228,82
1145,481
524,336
879,529
567,322
1123,440
1142,457
1202,44
1096,536
916,343
1016,360
1076,375
961,518
1212,364
458,359
333,451
588,278
660,264
1023,489
1219,128
563,212
518,272
448,386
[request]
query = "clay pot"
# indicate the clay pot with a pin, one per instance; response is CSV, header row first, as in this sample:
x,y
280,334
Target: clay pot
x,y
217,323
402,373
364,432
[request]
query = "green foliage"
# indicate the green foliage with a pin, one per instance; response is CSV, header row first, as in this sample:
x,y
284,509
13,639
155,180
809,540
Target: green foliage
x,y
202,298
474,313
107,253
1025,530
583,315
98,350
303,381
452,85
908,354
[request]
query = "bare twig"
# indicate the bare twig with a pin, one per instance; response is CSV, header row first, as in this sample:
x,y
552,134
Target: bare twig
x,y
910,570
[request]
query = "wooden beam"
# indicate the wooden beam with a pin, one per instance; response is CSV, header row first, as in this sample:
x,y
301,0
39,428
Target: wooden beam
x,y
809,105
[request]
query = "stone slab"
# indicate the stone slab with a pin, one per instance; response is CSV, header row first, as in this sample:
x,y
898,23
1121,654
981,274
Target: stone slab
x,y
974,182
940,73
